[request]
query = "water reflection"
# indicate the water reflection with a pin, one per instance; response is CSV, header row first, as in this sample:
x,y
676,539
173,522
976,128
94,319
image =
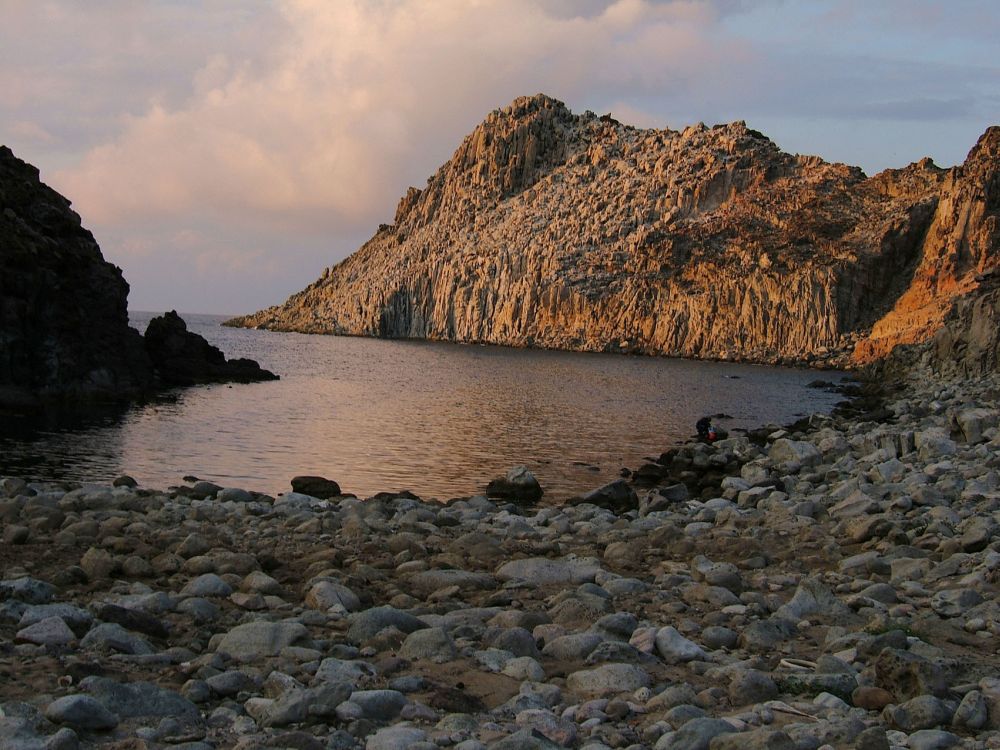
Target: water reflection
x,y
438,419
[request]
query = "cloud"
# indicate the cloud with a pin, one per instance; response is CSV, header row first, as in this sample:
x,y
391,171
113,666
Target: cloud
x,y
357,99
269,130
78,71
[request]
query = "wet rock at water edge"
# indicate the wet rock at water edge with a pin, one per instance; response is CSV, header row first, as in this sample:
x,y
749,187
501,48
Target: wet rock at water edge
x,y
518,485
182,357
318,487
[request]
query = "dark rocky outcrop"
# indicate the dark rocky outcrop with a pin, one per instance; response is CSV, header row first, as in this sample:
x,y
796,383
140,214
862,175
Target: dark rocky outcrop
x,y
63,320
185,358
64,332
568,231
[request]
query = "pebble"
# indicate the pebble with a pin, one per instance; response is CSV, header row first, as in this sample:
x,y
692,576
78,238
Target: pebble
x,y
81,712
838,589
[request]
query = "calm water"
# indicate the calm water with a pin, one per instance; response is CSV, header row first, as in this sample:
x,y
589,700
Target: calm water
x,y
438,419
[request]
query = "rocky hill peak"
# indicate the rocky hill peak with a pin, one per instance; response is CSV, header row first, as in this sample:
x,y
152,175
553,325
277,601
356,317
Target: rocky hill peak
x,y
505,154
547,228
987,148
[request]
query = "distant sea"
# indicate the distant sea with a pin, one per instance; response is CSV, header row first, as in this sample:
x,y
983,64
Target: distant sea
x,y
438,419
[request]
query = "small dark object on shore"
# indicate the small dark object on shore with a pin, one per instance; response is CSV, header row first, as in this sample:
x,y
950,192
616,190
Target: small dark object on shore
x,y
708,432
319,487
518,486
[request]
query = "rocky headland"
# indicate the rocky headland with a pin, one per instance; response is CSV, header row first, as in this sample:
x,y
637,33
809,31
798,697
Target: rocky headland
x,y
64,330
551,229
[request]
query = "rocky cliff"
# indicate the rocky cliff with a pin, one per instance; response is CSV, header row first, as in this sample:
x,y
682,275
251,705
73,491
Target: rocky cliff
x,y
64,331
968,343
63,320
575,231
960,249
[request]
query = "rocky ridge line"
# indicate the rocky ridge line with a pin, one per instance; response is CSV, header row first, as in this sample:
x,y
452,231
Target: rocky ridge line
x,y
578,232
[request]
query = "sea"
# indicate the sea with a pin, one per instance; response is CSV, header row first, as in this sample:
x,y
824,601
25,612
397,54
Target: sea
x,y
438,419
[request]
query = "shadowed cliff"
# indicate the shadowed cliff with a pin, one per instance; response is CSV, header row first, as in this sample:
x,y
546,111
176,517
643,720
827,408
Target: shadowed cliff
x,y
64,330
63,317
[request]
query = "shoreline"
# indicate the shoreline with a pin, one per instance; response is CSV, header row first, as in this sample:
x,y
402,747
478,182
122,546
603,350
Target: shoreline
x,y
556,462
836,360
842,591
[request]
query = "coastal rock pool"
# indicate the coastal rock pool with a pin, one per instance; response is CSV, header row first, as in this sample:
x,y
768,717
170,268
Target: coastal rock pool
x,y
438,419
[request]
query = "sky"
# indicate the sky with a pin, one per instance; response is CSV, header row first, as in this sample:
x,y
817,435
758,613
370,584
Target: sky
x,y
224,152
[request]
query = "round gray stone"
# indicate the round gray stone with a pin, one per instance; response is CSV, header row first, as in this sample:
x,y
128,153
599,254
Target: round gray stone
x,y
254,640
430,644
207,585
51,631
366,624
608,679
80,712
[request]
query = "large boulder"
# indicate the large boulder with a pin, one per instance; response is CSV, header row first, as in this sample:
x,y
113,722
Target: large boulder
x,y
144,700
617,496
258,639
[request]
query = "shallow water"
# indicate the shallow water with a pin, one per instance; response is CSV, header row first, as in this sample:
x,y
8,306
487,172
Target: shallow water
x,y
438,419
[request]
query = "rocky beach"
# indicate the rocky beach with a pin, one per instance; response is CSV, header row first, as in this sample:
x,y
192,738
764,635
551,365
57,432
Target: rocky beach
x,y
827,584
834,585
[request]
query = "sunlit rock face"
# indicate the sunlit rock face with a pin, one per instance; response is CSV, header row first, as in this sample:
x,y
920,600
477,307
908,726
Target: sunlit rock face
x,y
960,248
64,329
551,229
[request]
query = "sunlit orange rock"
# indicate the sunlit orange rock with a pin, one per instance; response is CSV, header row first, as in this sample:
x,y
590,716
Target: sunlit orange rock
x,y
551,229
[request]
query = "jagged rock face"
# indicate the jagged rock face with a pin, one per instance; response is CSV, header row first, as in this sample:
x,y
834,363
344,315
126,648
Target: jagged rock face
x,y
63,321
961,244
556,230
968,344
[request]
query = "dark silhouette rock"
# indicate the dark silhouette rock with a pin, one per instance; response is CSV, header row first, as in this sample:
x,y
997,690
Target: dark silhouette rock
x,y
319,487
519,486
64,331
185,358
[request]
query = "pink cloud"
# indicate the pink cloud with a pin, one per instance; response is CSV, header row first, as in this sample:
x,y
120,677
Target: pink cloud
x,y
360,99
